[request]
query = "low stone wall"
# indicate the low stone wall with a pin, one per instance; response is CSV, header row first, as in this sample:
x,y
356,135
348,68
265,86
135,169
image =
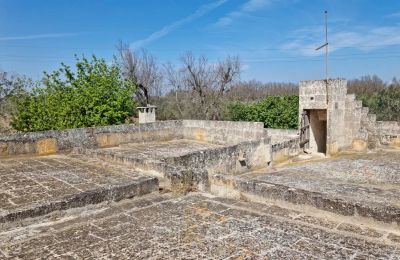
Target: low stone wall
x,y
223,132
282,135
193,169
282,151
285,143
49,142
230,159
388,133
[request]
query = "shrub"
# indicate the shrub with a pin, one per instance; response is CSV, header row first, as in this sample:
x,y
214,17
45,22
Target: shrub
x,y
94,95
273,111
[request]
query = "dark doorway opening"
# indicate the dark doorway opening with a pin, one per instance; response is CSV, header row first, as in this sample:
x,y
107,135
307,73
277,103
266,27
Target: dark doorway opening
x,y
313,130
318,130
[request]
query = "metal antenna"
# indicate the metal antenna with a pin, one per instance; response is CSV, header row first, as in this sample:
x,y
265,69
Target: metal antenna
x,y
326,45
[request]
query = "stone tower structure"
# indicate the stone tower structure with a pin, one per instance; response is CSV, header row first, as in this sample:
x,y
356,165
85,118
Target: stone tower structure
x,y
332,120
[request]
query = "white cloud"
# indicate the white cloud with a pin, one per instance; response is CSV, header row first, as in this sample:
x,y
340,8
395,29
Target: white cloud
x,y
365,39
248,7
393,15
203,10
38,36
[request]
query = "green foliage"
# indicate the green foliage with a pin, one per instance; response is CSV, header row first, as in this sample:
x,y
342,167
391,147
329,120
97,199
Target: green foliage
x,y
94,95
273,111
385,103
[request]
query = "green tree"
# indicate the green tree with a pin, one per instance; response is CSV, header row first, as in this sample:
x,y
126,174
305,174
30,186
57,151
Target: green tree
x,y
94,95
385,103
273,111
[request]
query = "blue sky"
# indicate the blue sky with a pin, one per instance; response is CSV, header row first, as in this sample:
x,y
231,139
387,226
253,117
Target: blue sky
x,y
275,39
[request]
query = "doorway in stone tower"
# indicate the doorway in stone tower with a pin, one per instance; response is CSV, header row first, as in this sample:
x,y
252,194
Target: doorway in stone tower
x,y
313,130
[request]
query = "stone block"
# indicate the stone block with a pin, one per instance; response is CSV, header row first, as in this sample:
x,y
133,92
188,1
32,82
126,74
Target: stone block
x,y
3,149
395,142
46,146
360,145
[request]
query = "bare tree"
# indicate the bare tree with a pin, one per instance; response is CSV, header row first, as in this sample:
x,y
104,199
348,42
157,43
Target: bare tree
x,y
142,70
366,85
201,85
12,86
253,90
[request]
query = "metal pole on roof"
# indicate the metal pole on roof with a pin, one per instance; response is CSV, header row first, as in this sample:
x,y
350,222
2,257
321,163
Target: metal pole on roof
x,y
326,45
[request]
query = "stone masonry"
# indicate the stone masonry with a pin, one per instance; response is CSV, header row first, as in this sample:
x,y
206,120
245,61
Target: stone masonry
x,y
339,121
195,189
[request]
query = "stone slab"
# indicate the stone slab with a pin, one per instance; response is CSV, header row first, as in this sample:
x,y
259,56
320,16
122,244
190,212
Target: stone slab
x,y
32,186
196,226
157,150
366,185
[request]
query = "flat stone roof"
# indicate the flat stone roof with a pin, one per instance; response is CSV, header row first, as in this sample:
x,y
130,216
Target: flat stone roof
x,y
195,226
32,186
362,177
158,150
355,184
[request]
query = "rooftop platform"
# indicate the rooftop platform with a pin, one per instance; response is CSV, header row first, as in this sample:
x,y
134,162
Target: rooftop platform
x,y
366,185
158,150
32,186
196,226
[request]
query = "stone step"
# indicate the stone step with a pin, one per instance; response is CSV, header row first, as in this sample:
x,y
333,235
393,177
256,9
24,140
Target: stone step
x,y
269,191
39,185
350,97
170,172
358,103
365,110
372,118
137,188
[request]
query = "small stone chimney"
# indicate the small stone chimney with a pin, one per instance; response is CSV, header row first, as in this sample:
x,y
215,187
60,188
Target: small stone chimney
x,y
147,114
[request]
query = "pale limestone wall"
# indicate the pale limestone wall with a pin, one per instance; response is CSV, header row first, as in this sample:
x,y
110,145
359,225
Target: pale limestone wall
x,y
219,132
48,142
349,124
388,133
329,95
286,149
281,135
336,136
353,115
313,94
222,132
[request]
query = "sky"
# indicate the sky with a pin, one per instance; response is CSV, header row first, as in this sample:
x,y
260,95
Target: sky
x,y
274,39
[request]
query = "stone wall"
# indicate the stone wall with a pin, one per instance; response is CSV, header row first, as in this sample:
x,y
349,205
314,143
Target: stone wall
x,y
49,142
223,132
388,133
349,124
284,150
330,96
364,132
282,132
285,143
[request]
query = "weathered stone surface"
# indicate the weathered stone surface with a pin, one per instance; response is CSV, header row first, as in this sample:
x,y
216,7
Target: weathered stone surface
x,y
288,212
366,185
38,185
187,161
348,124
190,227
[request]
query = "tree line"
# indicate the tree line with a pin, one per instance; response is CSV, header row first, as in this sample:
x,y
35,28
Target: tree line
x,y
95,93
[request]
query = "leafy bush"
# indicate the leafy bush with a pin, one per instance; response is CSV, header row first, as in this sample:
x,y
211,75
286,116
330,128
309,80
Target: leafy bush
x,y
273,111
385,103
94,95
